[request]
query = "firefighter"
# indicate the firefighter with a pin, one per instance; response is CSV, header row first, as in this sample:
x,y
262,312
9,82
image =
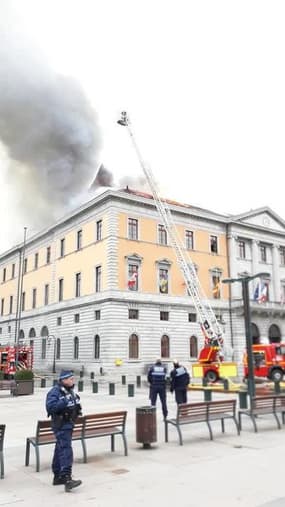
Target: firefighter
x,y
157,380
63,405
179,380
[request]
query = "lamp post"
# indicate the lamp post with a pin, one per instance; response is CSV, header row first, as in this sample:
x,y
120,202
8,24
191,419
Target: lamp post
x,y
244,280
51,336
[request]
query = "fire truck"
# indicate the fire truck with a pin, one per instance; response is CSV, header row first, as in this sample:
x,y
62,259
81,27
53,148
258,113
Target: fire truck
x,y
10,354
268,361
210,363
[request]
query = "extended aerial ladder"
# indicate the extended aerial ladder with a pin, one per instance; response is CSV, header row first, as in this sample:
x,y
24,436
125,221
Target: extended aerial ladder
x,y
211,329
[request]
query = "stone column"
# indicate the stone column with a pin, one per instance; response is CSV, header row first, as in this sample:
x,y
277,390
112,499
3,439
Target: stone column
x,y
255,258
233,265
276,273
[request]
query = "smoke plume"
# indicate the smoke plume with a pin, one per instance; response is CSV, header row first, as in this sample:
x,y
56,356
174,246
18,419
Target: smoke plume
x,y
49,132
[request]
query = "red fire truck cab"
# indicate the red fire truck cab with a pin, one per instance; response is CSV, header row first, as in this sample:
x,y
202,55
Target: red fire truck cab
x,y
268,360
8,359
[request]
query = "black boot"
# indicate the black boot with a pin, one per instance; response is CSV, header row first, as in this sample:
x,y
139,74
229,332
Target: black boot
x,y
58,480
71,484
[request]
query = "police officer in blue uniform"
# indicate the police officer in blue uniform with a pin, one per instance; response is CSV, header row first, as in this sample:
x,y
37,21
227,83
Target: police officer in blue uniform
x,y
63,405
179,380
157,379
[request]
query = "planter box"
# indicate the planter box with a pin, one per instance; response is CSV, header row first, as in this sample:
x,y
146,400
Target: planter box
x,y
23,387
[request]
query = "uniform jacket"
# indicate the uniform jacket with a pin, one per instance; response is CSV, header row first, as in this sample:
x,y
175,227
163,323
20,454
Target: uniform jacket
x,y
63,405
180,378
157,376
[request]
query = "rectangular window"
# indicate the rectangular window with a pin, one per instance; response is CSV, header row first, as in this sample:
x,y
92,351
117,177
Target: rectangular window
x,y
46,298
97,314
282,255
79,240
132,228
58,321
13,270
99,230
11,305
164,315
23,301
163,281
241,249
77,285
4,275
48,255
214,244
189,240
133,313
98,279
34,298
192,317
2,306
162,235
62,247
60,289
36,265
9,329
76,318
133,277
263,253
25,265
216,286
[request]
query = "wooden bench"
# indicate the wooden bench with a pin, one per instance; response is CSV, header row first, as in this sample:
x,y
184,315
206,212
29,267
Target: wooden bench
x,y
6,385
2,434
207,412
262,405
88,426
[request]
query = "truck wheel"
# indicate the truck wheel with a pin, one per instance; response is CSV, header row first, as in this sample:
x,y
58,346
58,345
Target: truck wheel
x,y
276,375
211,376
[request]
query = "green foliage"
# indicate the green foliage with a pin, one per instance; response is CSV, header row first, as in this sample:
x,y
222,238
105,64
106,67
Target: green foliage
x,y
24,375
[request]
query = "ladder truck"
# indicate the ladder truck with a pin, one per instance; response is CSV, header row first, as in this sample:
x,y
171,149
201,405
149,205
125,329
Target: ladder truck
x,y
210,362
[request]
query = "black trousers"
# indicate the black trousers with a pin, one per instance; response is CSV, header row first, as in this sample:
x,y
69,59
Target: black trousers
x,y
161,392
181,396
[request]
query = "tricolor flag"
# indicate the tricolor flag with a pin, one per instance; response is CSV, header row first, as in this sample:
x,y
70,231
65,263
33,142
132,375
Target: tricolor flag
x,y
261,292
132,281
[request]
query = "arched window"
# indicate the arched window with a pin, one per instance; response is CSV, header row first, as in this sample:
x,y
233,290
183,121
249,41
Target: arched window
x,y
96,346
58,348
32,333
133,347
76,348
44,348
21,336
255,333
44,331
193,347
165,349
274,334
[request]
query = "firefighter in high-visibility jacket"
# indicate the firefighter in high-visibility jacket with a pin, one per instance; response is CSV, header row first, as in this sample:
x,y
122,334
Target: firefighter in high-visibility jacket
x,y
63,405
179,380
157,380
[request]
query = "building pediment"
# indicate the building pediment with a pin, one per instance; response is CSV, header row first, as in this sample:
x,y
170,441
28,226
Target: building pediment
x,y
262,217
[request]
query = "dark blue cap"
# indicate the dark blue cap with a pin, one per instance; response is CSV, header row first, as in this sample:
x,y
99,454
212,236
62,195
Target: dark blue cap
x,y
65,374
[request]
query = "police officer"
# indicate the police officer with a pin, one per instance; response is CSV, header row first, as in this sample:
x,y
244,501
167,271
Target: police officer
x,y
63,405
179,380
157,379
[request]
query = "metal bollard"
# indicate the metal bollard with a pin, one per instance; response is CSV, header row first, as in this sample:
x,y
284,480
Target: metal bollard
x,y
81,373
242,399
131,390
204,382
207,395
80,385
277,388
95,387
111,388
138,381
226,384
43,382
123,380
92,375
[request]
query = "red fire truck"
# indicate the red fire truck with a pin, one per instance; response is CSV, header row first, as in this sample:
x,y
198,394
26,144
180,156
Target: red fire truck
x,y
268,360
8,358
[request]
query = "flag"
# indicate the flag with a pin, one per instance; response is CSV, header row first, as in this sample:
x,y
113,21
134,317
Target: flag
x,y
260,293
132,281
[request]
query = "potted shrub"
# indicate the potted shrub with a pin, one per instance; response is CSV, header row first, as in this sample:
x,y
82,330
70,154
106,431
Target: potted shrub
x,y
24,382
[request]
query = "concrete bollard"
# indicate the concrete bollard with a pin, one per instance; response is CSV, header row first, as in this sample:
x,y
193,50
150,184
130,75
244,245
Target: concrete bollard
x,y
139,381
95,387
111,388
123,380
80,385
131,390
43,382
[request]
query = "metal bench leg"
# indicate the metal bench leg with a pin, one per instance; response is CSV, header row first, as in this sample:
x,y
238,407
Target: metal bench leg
x,y
254,423
84,450
27,458
223,425
210,430
179,434
125,443
37,458
237,425
165,431
2,465
277,420
239,421
112,443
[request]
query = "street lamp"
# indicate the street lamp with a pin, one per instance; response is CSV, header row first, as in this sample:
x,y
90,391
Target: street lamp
x,y
51,336
244,280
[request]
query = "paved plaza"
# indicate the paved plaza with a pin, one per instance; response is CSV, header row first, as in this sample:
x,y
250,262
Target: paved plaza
x,y
231,471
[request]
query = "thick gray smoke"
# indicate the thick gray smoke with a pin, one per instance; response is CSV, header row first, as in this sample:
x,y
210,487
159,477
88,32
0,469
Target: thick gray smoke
x,y
49,132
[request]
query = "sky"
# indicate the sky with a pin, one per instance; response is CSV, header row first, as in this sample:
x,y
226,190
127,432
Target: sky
x,y
202,81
